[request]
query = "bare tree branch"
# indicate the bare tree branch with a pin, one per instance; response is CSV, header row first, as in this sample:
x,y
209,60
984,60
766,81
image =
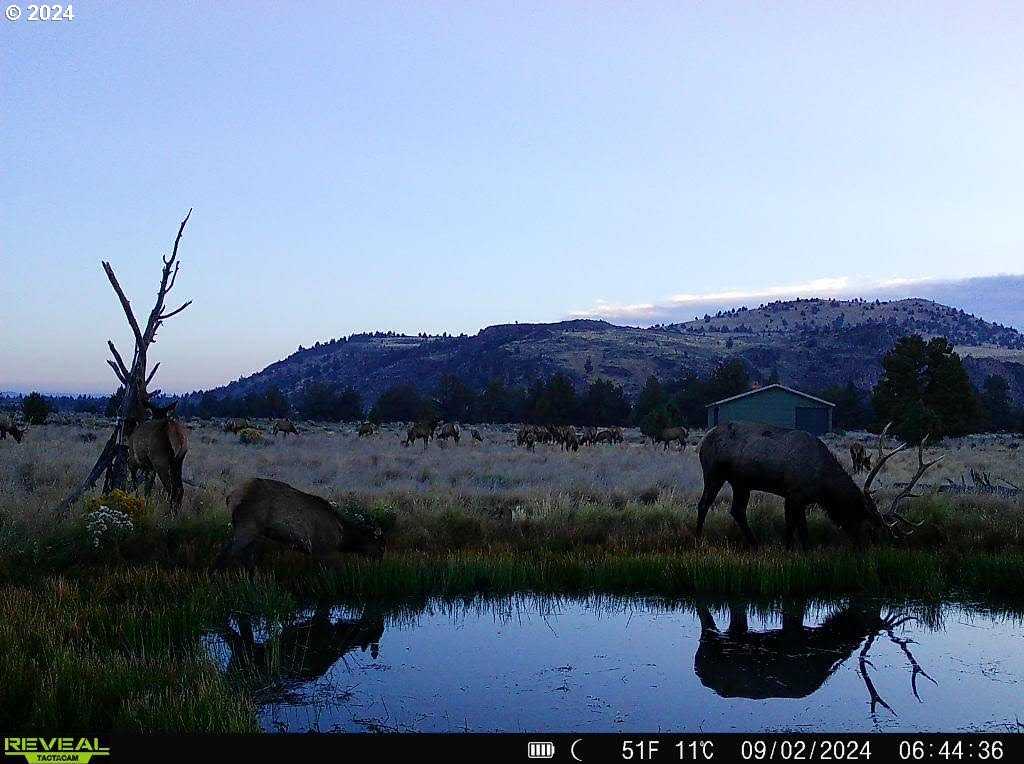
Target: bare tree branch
x,y
124,301
152,373
120,361
165,316
117,372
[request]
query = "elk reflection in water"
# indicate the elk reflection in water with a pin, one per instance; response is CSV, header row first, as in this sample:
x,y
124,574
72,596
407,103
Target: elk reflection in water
x,y
601,663
303,650
795,660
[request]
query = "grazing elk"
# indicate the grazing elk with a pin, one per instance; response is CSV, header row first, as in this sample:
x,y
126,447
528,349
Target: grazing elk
x,y
420,431
157,447
670,434
475,434
269,510
448,430
285,426
605,436
802,470
860,457
366,429
795,660
7,425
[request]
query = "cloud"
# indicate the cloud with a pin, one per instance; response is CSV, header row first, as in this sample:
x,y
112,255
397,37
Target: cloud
x,y
994,298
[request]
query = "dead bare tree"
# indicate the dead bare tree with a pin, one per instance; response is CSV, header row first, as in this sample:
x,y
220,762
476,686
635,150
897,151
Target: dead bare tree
x,y
113,460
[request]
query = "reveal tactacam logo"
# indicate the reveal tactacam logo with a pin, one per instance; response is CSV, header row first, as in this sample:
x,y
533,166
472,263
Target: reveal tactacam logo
x,y
41,750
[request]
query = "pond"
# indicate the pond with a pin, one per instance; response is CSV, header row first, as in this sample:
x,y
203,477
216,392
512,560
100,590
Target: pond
x,y
616,665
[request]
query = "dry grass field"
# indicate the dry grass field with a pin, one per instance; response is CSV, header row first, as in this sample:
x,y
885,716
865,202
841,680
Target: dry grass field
x,y
632,496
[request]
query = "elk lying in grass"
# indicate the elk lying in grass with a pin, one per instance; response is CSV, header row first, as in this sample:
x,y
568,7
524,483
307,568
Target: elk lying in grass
x,y
366,429
157,447
860,457
802,470
672,434
285,426
269,510
448,430
7,425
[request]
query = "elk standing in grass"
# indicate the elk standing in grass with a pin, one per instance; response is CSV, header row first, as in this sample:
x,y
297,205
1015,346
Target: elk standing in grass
x,y
672,434
448,430
420,431
7,425
802,470
269,510
157,447
285,426
860,457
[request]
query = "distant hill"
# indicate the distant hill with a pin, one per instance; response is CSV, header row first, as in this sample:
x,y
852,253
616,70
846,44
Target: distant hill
x,y
809,344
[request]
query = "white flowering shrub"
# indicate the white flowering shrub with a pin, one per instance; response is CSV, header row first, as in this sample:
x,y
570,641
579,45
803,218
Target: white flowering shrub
x,y
106,525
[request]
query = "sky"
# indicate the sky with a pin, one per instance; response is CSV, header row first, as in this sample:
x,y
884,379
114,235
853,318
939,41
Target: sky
x,y
444,166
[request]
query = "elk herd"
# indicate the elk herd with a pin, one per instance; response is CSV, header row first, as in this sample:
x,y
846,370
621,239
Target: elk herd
x,y
792,464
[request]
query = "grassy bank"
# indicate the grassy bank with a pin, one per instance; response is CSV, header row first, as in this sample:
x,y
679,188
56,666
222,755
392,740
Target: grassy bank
x,y
122,647
105,631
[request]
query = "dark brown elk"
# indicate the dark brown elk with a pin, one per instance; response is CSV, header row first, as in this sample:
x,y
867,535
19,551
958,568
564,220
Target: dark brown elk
x,y
860,457
526,437
448,430
672,434
157,447
8,425
271,511
285,426
605,436
366,429
795,660
420,431
565,436
802,470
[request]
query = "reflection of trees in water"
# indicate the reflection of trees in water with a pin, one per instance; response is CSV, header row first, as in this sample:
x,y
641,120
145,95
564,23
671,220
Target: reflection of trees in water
x,y
795,660
303,650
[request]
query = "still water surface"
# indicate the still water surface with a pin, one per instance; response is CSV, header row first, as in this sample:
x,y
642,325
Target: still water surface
x,y
605,664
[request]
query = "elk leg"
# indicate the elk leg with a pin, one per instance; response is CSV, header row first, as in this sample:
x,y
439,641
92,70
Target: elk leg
x,y
711,488
707,621
166,480
740,498
737,619
239,545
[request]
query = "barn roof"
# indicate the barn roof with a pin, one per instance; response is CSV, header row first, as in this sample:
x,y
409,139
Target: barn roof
x,y
758,390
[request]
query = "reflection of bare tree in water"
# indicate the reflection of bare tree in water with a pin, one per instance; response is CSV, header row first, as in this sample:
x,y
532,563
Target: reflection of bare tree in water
x,y
305,649
796,660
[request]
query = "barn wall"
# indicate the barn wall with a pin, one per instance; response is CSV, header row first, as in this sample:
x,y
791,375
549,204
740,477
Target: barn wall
x,y
775,406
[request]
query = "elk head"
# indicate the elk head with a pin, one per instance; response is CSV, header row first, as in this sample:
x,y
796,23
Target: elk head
x,y
161,412
896,523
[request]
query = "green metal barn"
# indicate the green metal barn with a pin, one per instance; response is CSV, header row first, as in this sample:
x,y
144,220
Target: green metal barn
x,y
775,404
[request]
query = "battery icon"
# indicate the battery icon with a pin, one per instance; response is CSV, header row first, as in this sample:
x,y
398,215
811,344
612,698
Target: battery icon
x,y
540,750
